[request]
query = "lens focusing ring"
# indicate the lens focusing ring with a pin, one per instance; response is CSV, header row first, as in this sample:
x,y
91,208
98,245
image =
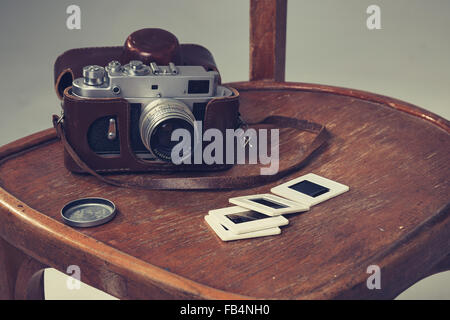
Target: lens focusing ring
x,y
157,111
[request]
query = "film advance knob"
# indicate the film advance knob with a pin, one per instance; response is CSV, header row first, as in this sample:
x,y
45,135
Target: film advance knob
x,y
137,68
114,66
93,75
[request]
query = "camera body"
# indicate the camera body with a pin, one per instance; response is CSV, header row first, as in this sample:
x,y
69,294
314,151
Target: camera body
x,y
122,103
160,97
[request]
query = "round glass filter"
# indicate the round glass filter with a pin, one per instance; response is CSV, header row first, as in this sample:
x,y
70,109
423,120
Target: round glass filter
x,y
88,212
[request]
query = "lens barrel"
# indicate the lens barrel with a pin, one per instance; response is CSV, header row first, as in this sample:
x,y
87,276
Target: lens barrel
x,y
158,120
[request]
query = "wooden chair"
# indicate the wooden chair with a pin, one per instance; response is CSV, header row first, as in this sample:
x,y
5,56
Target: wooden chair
x,y
393,155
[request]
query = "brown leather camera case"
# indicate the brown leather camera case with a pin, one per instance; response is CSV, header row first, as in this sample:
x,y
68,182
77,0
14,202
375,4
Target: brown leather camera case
x,y
148,45
79,114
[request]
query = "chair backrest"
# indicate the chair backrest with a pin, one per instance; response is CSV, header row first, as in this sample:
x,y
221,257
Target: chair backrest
x,y
267,39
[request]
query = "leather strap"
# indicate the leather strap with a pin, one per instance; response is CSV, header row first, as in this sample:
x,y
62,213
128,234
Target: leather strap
x,y
212,182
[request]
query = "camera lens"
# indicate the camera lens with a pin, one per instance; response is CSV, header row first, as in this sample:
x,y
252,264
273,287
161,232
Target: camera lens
x,y
157,122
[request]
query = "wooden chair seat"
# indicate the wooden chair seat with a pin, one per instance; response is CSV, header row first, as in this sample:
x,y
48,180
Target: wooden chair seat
x,y
394,156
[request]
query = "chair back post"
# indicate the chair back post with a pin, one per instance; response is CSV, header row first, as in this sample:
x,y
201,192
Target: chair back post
x,y
267,39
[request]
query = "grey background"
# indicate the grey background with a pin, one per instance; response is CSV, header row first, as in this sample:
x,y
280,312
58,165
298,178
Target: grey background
x,y
327,42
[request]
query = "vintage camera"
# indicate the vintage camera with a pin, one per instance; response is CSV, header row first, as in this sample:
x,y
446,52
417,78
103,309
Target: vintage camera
x,y
122,103
162,99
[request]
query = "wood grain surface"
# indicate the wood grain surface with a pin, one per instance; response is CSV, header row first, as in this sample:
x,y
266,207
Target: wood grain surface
x,y
394,156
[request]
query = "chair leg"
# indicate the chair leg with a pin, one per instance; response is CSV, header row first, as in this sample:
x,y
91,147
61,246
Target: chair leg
x,y
30,281
21,277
